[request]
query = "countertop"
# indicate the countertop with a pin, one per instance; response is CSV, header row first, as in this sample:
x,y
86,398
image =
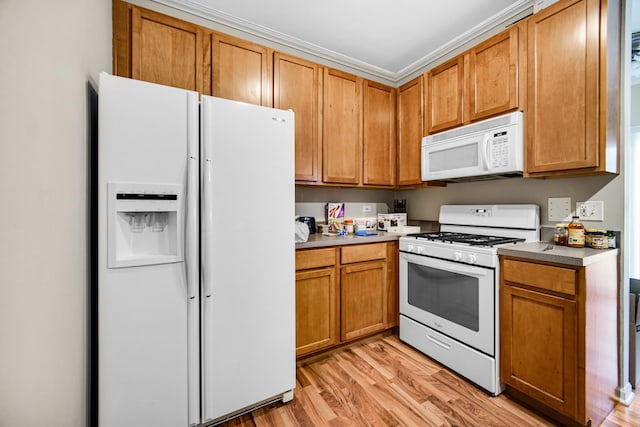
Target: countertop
x,y
559,254
317,240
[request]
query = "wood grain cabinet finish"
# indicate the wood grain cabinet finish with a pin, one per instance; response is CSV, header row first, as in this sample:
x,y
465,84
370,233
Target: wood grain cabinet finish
x,y
317,300
572,123
409,129
443,95
344,294
491,75
342,128
363,299
558,335
241,70
379,135
297,86
157,48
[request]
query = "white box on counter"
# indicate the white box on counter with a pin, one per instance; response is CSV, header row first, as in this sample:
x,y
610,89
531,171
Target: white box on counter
x,y
404,229
385,221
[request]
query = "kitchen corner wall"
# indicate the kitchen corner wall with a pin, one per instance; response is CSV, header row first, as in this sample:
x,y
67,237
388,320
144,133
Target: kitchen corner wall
x,y
337,194
48,51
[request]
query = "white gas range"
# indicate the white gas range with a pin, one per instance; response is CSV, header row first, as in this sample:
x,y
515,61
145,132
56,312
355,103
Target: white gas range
x,y
449,286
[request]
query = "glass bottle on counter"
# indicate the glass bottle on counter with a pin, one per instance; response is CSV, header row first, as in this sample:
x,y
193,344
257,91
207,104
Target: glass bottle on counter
x,y
560,235
348,224
575,233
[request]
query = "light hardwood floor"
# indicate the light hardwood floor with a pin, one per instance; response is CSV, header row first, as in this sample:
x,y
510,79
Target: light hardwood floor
x,y
383,382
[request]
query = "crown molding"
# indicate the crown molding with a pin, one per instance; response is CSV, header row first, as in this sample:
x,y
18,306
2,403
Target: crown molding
x,y
206,12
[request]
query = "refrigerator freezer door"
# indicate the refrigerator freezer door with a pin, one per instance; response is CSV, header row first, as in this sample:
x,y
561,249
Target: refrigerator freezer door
x,y
248,271
142,310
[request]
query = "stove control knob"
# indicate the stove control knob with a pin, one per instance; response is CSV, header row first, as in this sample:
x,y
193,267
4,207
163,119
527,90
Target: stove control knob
x,y
472,259
457,256
411,248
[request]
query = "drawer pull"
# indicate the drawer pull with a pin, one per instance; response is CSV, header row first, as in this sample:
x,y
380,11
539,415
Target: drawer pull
x,y
438,342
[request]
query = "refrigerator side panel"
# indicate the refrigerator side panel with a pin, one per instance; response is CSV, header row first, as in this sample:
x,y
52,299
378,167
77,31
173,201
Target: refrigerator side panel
x,y
142,304
249,271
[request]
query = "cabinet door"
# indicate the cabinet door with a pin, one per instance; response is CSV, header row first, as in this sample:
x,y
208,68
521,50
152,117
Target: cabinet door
x,y
410,132
316,313
444,95
539,349
164,50
363,291
296,86
491,78
241,70
562,108
379,139
342,128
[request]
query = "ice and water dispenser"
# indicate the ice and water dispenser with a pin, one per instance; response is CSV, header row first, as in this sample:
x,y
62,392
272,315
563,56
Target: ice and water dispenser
x,y
144,224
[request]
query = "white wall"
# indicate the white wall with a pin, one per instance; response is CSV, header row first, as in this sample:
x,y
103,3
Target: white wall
x,y
47,50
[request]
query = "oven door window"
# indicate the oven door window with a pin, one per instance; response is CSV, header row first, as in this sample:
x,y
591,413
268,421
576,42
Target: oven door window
x,y
448,295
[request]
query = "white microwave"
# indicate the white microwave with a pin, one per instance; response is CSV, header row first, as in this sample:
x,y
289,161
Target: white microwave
x,y
489,149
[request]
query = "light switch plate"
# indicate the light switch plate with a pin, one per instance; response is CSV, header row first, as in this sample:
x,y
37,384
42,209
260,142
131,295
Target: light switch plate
x,y
559,209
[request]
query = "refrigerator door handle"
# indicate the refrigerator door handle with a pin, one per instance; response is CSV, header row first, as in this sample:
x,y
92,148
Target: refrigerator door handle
x,y
207,224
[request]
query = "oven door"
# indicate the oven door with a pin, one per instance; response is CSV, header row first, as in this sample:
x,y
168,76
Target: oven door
x,y
457,300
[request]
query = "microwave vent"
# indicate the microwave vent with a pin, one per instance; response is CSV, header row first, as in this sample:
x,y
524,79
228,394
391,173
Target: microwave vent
x,y
474,128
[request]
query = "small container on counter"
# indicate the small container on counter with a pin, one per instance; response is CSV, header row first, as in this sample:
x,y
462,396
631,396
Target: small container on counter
x,y
560,235
348,225
575,233
611,238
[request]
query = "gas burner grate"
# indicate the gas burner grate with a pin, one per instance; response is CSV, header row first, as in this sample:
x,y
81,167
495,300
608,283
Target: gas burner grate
x,y
467,239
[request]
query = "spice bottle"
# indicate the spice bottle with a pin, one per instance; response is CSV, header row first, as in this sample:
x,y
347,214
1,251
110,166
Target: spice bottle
x,y
576,233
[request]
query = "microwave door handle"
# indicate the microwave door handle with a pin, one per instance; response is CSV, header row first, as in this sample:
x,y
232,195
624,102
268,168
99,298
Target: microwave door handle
x,y
487,153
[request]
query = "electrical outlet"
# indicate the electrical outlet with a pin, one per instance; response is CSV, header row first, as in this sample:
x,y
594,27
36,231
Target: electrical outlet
x,y
590,211
559,209
366,208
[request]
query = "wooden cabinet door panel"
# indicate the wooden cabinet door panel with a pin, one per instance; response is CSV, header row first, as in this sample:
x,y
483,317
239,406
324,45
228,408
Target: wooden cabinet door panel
x,y
342,127
166,50
444,95
296,86
363,292
539,347
410,132
241,70
379,135
491,76
316,313
562,107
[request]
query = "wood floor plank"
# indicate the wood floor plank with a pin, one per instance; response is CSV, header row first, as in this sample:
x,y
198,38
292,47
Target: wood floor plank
x,y
384,382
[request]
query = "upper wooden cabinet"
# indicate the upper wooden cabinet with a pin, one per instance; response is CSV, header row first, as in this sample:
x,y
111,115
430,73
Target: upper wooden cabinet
x,y
572,123
485,81
157,48
443,95
342,128
379,135
241,70
297,86
409,132
491,72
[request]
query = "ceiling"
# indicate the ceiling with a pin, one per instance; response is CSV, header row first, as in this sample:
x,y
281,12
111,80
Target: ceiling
x,y
387,39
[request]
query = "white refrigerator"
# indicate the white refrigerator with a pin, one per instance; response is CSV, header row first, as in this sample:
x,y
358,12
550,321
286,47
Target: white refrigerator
x,y
196,254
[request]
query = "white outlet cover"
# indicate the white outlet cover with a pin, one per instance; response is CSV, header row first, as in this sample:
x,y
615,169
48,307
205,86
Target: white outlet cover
x,y
590,210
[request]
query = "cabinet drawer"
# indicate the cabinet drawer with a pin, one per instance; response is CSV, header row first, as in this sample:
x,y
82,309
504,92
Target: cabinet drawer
x,y
545,277
315,258
359,253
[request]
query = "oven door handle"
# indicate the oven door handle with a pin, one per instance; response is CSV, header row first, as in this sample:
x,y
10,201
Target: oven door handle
x,y
450,266
438,342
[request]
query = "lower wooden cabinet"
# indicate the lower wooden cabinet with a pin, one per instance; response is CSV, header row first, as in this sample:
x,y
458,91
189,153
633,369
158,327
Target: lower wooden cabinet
x,y
344,293
558,335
